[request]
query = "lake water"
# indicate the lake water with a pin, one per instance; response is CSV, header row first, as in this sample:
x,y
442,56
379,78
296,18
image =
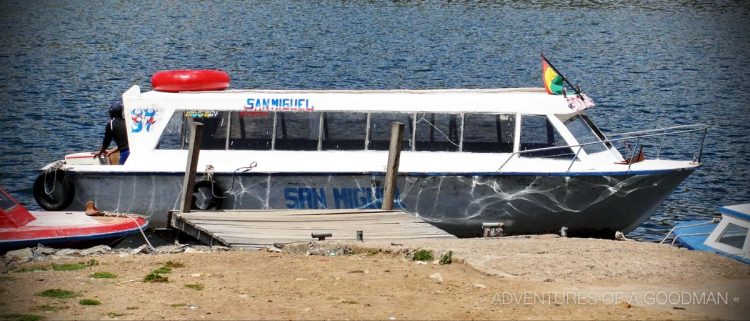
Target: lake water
x,y
647,64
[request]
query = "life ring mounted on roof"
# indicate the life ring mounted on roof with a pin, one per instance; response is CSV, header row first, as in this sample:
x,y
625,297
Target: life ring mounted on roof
x,y
190,80
54,189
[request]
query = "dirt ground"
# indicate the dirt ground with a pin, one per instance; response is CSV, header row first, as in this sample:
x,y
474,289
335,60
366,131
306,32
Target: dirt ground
x,y
541,277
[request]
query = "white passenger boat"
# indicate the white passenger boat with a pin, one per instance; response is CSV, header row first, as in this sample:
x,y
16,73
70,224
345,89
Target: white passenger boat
x,y
531,161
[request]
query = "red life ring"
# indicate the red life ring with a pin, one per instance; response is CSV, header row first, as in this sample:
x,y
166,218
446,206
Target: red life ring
x,y
190,80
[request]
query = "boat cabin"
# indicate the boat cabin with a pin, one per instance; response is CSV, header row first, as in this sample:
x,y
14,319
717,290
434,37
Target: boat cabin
x,y
12,213
731,234
485,121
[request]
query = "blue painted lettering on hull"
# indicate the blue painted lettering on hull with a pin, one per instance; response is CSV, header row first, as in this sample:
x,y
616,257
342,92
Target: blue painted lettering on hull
x,y
305,197
346,197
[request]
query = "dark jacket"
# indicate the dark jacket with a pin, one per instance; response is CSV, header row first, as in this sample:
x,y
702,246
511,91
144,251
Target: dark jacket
x,y
116,130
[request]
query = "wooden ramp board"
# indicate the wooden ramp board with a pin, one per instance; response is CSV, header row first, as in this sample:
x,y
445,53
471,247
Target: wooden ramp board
x,y
258,228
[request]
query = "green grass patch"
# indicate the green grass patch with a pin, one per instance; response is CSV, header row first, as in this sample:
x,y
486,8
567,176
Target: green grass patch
x,y
155,278
33,268
50,308
447,258
422,255
59,267
103,275
74,266
195,286
114,314
7,278
177,305
163,270
174,265
89,302
58,294
156,275
20,317
69,266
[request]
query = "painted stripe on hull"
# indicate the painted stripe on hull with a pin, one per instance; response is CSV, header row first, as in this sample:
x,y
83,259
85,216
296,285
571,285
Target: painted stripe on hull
x,y
16,243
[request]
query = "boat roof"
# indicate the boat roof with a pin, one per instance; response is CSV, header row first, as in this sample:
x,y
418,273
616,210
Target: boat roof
x,y
740,211
500,100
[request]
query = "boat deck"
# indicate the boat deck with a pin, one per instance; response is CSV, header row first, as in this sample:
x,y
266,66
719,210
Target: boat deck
x,y
259,228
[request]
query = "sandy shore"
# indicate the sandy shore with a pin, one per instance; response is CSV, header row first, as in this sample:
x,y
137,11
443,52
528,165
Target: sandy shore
x,y
539,277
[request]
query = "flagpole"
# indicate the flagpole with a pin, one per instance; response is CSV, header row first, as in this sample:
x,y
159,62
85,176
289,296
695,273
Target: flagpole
x,y
561,76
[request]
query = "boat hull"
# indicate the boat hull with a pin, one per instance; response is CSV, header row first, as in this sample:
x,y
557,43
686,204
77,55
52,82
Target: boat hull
x,y
69,229
693,235
587,204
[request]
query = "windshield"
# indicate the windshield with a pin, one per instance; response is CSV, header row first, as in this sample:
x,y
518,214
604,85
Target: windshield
x,y
537,132
585,135
6,203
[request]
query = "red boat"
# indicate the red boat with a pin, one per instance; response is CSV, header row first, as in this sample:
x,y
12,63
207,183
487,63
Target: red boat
x,y
20,228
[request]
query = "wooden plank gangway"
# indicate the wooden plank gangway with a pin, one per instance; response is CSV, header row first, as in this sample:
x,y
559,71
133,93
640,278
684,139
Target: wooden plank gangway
x,y
258,228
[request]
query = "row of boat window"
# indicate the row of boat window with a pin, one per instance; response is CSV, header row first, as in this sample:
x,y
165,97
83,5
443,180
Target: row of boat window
x,y
308,131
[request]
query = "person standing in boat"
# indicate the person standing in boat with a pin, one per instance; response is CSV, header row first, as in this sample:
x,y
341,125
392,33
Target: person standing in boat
x,y
115,129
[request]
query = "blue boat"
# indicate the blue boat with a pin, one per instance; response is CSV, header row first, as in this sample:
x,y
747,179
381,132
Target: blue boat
x,y
726,234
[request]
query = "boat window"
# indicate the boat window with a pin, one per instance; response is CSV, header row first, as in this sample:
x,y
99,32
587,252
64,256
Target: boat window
x,y
437,132
251,130
214,128
176,135
585,135
596,130
733,235
297,131
486,133
380,130
538,132
344,130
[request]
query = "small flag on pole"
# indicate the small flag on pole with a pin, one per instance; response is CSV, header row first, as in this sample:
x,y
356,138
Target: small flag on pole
x,y
553,82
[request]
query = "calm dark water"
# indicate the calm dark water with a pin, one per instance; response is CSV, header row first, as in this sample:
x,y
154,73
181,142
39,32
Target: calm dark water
x,y
647,64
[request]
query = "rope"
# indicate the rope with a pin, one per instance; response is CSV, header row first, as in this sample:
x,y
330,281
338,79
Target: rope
x,y
134,218
209,173
140,228
57,165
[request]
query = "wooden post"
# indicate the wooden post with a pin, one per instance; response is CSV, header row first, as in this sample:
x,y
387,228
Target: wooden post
x,y
194,150
394,155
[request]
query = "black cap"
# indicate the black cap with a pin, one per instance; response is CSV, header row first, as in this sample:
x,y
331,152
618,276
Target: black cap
x,y
115,110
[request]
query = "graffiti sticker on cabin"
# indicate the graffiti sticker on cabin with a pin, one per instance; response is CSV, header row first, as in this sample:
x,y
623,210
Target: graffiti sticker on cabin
x,y
201,114
143,118
278,104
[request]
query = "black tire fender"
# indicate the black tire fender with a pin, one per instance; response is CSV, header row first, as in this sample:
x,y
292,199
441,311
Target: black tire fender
x,y
212,192
54,189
